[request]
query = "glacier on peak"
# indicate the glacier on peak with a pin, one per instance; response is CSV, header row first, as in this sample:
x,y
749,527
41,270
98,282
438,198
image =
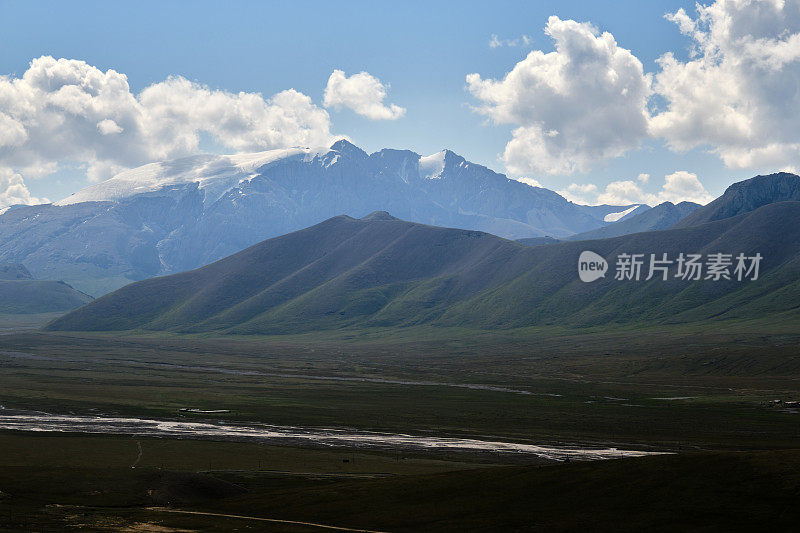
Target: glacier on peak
x,y
613,217
214,174
177,215
432,166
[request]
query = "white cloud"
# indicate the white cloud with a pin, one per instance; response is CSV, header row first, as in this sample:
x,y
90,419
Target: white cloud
x,y
108,127
682,186
12,132
574,107
529,181
362,93
13,190
496,42
739,93
580,193
69,111
678,187
625,192
643,178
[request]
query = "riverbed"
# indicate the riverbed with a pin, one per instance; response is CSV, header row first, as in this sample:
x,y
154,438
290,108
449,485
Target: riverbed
x,y
292,435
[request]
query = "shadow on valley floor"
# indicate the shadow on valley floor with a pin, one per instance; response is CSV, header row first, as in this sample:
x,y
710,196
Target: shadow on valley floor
x,y
731,491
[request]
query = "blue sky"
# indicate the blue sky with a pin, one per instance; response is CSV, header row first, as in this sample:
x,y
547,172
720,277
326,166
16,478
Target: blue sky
x,y
421,50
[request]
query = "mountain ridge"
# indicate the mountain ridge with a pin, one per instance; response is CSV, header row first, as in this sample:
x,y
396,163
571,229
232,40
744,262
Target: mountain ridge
x,y
747,195
662,216
174,216
381,271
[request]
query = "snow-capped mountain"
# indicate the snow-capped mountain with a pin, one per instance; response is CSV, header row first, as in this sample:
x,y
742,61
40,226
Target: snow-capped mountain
x,y
176,215
213,174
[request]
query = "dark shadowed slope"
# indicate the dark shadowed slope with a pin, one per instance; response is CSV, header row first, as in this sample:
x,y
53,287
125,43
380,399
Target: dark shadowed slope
x,y
662,216
381,271
746,196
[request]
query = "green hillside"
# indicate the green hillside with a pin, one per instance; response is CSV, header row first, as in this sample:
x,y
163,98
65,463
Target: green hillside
x,y
381,271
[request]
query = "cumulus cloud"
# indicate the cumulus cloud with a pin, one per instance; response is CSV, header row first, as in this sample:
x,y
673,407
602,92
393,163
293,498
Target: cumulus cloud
x,y
585,193
108,127
739,93
680,186
684,186
13,190
63,110
580,104
362,93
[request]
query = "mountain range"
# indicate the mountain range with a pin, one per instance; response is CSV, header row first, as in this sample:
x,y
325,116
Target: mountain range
x,y
636,220
382,271
177,215
662,216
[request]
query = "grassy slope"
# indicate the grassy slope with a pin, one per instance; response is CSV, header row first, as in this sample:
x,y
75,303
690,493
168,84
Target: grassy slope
x,y
347,272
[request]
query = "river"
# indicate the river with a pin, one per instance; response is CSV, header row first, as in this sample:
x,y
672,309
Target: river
x,y
291,435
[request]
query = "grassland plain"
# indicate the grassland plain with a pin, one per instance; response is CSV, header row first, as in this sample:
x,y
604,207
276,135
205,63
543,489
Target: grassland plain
x,y
705,393
81,482
671,387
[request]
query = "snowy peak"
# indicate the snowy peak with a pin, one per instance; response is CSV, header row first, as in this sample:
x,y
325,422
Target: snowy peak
x,y
432,166
178,215
215,174
342,150
346,148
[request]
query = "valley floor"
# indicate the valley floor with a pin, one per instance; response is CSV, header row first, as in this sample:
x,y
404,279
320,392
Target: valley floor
x,y
719,400
87,483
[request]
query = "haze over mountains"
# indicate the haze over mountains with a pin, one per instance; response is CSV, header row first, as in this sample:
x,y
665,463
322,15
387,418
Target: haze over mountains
x,y
382,271
662,216
637,220
20,293
177,215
